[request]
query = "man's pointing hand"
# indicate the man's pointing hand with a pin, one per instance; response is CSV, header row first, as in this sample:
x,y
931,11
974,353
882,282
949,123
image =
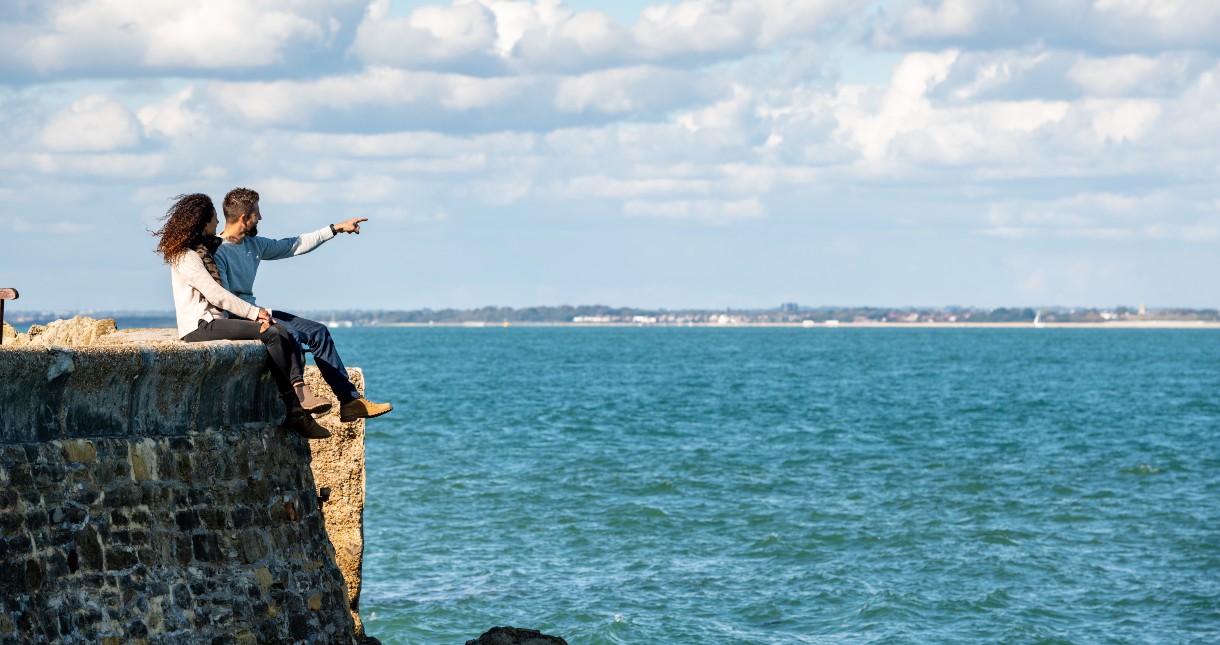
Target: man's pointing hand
x,y
350,226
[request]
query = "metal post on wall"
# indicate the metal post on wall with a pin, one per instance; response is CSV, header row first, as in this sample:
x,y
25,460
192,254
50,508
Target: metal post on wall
x,y
5,294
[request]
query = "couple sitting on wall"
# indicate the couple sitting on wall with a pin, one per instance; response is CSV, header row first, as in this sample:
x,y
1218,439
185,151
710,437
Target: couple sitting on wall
x,y
213,281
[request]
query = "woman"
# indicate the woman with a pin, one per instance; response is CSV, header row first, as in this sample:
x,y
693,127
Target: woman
x,y
188,240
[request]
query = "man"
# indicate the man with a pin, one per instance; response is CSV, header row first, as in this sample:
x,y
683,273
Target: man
x,y
237,260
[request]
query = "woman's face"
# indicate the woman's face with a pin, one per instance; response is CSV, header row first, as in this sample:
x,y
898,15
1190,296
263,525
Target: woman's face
x,y
209,229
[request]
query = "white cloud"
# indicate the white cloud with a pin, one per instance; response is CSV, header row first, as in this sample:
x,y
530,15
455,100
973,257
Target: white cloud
x,y
1119,121
381,88
697,27
413,144
1176,23
620,91
433,36
706,210
1004,74
218,34
709,26
173,116
283,190
904,107
953,18
1091,25
122,36
1129,74
547,35
732,114
606,187
1104,216
583,40
95,123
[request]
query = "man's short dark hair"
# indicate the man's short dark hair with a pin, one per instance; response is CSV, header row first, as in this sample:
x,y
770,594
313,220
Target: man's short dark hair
x,y
238,202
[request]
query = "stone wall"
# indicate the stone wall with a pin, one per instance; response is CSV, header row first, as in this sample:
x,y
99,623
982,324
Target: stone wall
x,y
148,495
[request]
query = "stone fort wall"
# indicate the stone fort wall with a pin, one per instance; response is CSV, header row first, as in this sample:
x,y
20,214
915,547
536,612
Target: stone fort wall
x,y
148,495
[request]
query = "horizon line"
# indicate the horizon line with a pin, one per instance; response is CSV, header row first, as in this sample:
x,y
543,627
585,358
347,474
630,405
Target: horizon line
x,y
783,307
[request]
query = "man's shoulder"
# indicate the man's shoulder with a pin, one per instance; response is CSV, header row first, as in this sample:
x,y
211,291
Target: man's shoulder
x,y
226,247
247,245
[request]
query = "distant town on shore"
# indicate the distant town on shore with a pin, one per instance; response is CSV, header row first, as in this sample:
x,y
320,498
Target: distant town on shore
x,y
785,314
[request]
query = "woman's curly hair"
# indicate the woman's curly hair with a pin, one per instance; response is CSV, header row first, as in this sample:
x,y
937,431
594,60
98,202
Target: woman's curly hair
x,y
184,223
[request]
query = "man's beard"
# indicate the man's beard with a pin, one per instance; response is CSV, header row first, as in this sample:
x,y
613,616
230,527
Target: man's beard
x,y
252,230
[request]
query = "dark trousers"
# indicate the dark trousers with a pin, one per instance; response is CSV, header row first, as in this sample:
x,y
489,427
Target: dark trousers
x,y
280,345
317,338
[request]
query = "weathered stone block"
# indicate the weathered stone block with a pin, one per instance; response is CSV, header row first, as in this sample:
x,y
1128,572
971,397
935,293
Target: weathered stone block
x,y
143,459
125,495
85,496
242,516
11,521
80,450
155,494
76,514
19,476
36,518
117,558
20,542
265,580
188,520
254,546
206,547
214,518
141,517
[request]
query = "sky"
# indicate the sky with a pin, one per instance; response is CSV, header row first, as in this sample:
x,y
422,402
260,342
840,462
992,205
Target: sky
x,y
684,154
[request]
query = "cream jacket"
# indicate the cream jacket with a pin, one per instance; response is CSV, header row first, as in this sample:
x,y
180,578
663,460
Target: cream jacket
x,y
198,297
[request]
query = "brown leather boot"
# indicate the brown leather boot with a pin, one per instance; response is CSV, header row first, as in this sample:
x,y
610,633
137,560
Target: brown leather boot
x,y
312,403
362,408
301,422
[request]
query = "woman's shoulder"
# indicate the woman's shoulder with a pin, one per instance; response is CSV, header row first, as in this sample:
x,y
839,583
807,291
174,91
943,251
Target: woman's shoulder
x,y
186,261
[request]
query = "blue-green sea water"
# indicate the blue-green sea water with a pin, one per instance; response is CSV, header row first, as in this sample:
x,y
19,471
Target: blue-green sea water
x,y
658,485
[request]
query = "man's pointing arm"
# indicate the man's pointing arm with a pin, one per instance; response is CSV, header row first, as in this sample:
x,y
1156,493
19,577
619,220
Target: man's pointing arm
x,y
293,246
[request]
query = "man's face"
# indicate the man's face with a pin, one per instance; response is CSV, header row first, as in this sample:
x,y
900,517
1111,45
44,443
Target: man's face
x,y
251,221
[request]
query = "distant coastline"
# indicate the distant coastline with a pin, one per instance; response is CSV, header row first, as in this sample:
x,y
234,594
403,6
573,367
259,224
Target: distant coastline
x,y
1143,324
786,315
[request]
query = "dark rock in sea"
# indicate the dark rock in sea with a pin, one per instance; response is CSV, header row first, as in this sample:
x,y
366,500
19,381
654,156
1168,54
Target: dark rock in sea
x,y
515,636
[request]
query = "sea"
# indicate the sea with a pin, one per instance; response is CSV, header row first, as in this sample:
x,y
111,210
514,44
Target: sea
x,y
787,485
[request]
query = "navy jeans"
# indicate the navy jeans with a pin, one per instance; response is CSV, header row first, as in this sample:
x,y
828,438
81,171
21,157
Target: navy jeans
x,y
317,338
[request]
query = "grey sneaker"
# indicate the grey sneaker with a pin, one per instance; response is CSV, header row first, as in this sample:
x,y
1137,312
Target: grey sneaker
x,y
312,403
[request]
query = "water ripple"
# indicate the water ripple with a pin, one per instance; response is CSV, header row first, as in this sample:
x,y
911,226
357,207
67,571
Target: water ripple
x,y
793,486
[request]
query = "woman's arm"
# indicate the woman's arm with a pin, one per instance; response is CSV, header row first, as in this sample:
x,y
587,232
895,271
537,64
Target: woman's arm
x,y
197,276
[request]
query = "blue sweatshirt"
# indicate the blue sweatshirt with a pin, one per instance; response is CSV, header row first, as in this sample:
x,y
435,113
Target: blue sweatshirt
x,y
238,263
